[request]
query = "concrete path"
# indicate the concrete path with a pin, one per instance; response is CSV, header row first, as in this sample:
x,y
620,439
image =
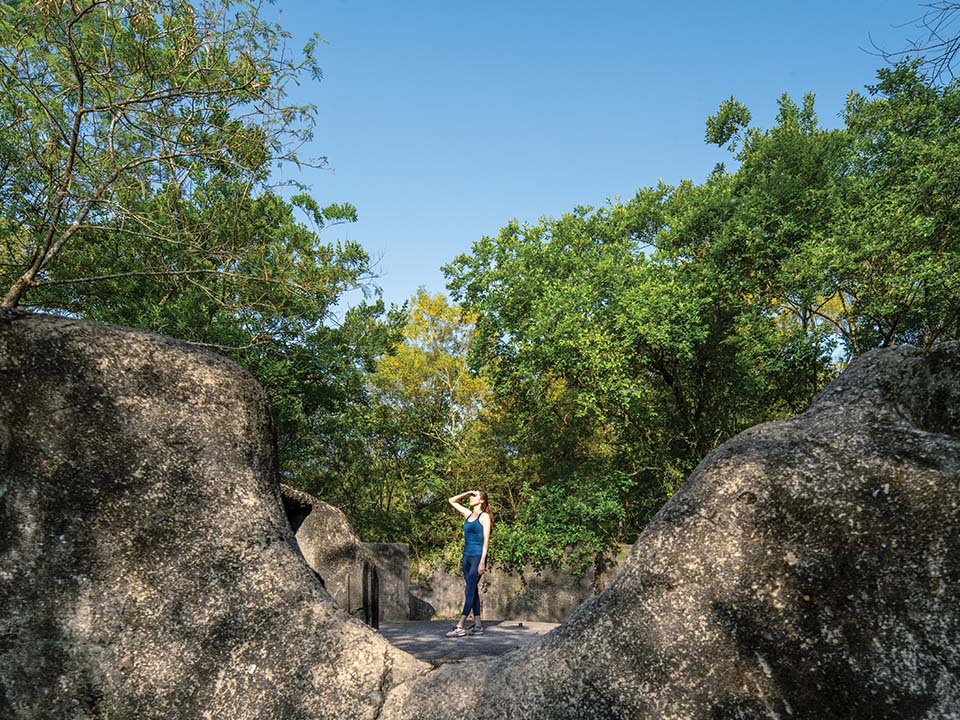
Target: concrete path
x,y
425,639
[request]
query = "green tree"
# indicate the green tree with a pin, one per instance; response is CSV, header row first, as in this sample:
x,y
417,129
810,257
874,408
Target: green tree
x,y
620,369
135,156
773,242
624,343
849,236
113,112
414,440
898,239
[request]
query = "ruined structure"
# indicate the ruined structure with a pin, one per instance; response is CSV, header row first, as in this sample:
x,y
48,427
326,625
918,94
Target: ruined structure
x,y
336,553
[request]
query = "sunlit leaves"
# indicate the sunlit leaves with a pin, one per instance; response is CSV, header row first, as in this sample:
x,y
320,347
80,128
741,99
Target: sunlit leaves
x,y
105,104
725,127
900,234
628,341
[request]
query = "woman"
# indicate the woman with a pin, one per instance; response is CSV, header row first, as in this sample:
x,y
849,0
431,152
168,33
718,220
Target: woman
x,y
476,538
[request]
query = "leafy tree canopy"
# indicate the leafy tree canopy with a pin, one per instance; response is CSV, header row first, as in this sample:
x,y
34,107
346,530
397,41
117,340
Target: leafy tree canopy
x,y
624,343
113,114
137,142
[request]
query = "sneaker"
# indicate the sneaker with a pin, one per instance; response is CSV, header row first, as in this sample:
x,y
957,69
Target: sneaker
x,y
456,632
476,630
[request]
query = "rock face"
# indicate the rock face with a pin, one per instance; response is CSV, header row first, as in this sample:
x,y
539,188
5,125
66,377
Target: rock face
x,y
809,568
147,569
334,550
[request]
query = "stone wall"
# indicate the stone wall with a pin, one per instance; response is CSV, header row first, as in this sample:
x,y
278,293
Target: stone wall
x,y
547,595
393,568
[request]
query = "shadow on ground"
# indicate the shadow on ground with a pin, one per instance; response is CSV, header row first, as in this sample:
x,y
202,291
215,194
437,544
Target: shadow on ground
x,y
426,641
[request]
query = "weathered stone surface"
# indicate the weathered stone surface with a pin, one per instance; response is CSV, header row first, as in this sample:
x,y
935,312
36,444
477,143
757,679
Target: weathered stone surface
x,y
333,549
147,569
809,568
393,565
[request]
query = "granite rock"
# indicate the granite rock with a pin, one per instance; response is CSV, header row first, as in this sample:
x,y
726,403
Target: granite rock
x,y
808,568
333,549
147,568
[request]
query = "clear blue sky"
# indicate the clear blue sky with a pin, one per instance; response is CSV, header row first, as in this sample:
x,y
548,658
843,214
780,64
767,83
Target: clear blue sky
x,y
444,120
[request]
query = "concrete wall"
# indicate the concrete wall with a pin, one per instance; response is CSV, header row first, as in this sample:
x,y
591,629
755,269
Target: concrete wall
x,y
393,565
546,595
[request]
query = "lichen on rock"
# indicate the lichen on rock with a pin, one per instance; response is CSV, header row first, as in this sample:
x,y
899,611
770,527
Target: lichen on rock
x,y
147,568
808,568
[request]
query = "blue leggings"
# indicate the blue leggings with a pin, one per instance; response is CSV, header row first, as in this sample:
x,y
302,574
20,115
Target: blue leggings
x,y
471,573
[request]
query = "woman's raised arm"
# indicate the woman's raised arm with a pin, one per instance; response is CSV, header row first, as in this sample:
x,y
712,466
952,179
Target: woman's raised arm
x,y
457,506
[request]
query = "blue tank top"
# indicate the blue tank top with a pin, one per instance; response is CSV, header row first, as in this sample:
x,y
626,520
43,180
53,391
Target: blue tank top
x,y
472,537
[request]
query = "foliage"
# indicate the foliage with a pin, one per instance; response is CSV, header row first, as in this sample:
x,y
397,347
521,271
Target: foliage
x,y
624,343
570,522
113,114
900,232
725,127
136,146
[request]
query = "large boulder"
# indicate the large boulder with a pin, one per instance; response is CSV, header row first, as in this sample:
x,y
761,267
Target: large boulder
x,y
809,568
147,569
333,549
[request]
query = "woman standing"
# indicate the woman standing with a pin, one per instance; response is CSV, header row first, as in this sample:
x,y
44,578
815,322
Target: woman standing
x,y
476,538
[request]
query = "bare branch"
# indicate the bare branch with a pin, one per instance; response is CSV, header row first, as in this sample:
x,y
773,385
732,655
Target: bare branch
x,y
938,44
177,273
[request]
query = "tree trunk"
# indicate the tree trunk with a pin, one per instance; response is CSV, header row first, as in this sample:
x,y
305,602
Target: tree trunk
x,y
12,298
